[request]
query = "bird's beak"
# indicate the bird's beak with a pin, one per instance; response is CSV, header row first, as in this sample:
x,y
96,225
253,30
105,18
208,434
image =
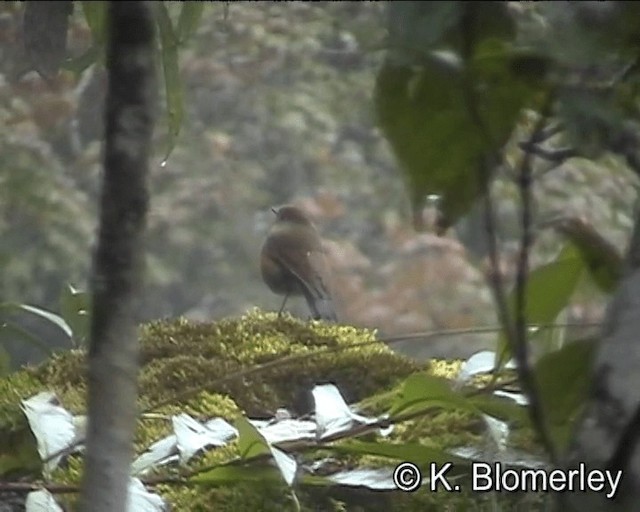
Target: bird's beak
x,y
274,211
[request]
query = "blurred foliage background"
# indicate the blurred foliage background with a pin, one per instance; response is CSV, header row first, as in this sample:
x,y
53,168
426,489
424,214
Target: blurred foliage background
x,y
278,108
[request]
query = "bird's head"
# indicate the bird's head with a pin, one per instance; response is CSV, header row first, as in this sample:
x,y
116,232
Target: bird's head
x,y
291,214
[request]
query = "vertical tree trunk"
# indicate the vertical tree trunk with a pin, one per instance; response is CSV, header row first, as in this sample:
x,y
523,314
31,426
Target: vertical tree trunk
x,y
117,272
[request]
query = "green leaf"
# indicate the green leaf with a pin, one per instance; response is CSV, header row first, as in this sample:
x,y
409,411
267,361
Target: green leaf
x,y
445,117
449,95
421,390
499,407
549,288
250,441
189,18
74,307
563,379
95,12
251,445
223,475
602,260
172,81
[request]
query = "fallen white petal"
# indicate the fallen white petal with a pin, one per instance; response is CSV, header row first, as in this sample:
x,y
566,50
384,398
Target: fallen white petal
x,y
51,424
141,500
192,436
41,501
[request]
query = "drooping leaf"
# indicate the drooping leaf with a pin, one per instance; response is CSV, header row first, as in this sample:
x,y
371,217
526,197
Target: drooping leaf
x,y
445,117
563,379
12,307
449,93
52,318
171,71
549,288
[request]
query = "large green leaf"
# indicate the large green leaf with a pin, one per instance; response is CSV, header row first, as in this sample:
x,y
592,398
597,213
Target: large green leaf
x,y
563,379
172,81
449,95
549,288
445,117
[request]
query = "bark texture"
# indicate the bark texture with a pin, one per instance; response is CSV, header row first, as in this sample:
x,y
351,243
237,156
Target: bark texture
x,y
118,262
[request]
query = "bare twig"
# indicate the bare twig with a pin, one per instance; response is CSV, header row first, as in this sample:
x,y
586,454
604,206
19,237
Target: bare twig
x,y
516,332
556,156
520,342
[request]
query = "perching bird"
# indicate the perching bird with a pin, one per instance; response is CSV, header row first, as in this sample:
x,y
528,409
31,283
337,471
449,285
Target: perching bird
x,y
292,262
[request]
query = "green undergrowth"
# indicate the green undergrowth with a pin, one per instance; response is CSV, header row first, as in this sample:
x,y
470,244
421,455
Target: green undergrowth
x,y
214,369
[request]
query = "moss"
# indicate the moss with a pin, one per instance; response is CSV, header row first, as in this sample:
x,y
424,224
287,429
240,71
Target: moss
x,y
219,364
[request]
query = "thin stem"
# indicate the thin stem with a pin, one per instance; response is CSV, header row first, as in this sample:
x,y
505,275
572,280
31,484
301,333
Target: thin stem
x,y
520,342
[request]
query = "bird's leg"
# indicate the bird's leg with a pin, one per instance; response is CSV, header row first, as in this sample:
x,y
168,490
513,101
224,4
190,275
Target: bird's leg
x,y
286,296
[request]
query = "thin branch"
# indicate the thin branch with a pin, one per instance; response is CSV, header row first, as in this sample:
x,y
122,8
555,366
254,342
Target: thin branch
x,y
556,156
520,342
546,133
516,333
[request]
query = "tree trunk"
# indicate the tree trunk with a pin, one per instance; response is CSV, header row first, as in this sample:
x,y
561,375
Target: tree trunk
x,y
117,272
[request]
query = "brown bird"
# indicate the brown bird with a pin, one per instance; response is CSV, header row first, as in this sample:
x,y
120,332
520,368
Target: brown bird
x,y
292,262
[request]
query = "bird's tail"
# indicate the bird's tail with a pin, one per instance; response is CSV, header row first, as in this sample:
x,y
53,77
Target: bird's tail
x,y
321,306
